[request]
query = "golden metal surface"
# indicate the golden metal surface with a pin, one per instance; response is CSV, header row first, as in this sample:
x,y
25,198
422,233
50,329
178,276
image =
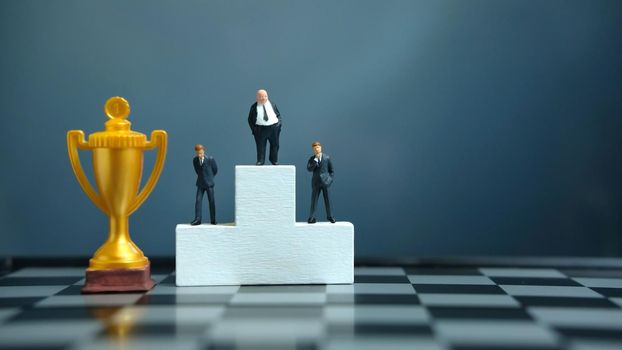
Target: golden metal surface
x,y
117,166
117,108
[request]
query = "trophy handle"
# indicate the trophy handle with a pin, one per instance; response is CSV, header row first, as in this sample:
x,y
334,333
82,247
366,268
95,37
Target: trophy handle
x,y
75,140
158,139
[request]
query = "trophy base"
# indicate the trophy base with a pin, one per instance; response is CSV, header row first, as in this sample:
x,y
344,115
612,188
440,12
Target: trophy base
x,y
118,280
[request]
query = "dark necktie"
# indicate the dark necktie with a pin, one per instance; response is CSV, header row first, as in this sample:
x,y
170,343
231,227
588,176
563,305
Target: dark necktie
x,y
265,114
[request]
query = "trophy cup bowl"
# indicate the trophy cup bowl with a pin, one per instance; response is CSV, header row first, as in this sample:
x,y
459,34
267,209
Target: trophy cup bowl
x,y
118,154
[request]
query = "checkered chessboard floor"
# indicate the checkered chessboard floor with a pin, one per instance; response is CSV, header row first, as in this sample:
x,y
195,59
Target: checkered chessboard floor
x,y
386,308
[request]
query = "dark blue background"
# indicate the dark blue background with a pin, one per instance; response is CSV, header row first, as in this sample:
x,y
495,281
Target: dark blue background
x,y
455,127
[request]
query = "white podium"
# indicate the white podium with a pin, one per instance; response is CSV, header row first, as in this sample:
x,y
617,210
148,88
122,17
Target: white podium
x,y
265,245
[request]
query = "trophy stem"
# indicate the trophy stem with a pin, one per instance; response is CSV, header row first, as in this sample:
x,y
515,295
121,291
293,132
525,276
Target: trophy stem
x,y
118,265
119,229
118,252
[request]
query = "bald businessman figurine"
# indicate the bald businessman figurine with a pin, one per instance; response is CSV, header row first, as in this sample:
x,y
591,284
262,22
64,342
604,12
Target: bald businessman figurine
x,y
264,120
322,168
206,168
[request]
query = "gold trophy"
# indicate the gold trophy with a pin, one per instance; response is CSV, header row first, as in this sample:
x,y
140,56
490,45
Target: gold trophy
x,y
118,265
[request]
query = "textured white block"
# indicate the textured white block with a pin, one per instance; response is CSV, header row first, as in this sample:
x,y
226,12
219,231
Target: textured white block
x,y
265,195
265,245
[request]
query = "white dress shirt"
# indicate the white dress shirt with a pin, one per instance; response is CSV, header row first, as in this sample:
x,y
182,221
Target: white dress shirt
x,y
272,119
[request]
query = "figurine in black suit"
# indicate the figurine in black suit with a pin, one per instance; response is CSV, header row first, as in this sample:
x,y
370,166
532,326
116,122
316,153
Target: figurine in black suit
x,y
322,168
206,168
264,120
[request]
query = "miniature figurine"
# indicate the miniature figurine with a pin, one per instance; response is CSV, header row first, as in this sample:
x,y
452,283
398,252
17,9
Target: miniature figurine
x,y
322,168
206,168
264,120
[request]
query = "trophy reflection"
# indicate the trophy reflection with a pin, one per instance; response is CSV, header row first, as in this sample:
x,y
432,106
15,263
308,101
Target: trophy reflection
x,y
118,265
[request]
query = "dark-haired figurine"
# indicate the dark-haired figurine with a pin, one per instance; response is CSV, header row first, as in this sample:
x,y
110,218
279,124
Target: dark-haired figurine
x,y
322,168
206,168
264,120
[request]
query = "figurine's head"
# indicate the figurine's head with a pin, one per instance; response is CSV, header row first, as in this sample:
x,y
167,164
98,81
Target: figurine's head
x,y
262,96
317,147
200,150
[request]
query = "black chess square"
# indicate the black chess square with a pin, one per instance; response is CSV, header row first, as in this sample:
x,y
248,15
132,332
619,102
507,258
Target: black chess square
x,y
458,289
479,313
380,279
534,281
565,302
38,281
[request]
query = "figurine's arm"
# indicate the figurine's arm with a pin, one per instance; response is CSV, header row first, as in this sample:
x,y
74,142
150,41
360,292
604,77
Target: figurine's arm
x,y
196,165
251,122
214,166
311,164
276,111
330,168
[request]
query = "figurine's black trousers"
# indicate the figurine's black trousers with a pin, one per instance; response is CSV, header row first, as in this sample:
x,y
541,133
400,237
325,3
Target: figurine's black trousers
x,y
212,203
315,194
263,135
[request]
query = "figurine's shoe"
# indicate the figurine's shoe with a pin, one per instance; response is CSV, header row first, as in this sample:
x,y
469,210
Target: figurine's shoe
x,y
311,221
196,222
331,219
213,222
275,163
259,163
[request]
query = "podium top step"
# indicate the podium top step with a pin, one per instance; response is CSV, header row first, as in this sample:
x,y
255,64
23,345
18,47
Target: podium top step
x,y
265,166
265,195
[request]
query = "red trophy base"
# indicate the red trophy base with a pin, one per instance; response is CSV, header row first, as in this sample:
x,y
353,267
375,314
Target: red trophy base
x,y
118,280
